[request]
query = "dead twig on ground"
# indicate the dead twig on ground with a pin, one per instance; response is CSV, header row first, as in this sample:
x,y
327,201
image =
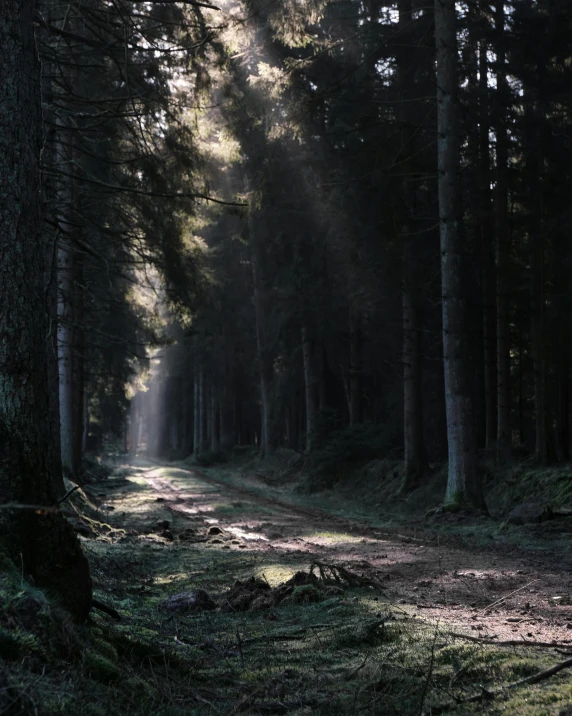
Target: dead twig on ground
x,y
511,642
429,672
502,599
102,607
491,694
68,493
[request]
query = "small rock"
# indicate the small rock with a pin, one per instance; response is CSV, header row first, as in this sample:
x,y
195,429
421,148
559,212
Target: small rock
x,y
214,530
167,534
187,602
216,541
529,512
160,499
163,525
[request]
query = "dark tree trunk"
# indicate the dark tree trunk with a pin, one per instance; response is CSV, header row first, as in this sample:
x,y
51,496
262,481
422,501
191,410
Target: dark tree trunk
x,y
214,421
502,246
265,360
463,484
356,369
486,230
563,412
535,173
202,417
311,383
43,542
414,449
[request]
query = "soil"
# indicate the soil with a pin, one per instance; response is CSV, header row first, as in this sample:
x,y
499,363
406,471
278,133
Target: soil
x,y
499,592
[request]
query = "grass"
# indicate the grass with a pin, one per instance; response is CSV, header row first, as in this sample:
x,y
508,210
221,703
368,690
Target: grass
x,y
323,651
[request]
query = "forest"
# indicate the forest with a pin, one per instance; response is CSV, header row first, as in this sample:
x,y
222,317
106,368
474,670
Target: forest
x,y
285,362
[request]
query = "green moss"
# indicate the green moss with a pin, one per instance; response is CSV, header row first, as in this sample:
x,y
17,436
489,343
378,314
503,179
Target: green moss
x,y
99,668
306,594
105,649
11,646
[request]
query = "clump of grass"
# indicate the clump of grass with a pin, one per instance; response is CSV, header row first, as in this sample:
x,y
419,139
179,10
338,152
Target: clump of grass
x,y
99,668
306,594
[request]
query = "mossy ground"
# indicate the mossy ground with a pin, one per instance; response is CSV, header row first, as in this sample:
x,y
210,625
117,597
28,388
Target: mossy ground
x,y
345,652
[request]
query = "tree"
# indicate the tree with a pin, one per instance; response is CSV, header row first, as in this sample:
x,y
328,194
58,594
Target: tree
x,y
463,485
29,466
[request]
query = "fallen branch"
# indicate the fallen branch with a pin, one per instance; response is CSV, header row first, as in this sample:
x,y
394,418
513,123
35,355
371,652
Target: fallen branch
x,y
486,695
511,642
96,604
68,493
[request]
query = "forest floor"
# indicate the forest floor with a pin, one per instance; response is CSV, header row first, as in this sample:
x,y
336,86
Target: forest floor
x,y
408,620
209,570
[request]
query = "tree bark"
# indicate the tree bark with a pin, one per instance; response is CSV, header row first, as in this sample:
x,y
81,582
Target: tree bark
x,y
202,418
486,230
43,540
311,383
535,174
215,442
463,485
71,359
265,362
413,445
414,448
196,408
356,369
502,246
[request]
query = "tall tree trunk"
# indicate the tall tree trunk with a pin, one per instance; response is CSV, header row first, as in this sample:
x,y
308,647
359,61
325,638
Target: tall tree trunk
x,y
215,442
535,174
196,410
563,412
463,485
202,412
502,245
43,542
521,435
51,267
266,369
356,369
311,383
486,230
537,334
414,449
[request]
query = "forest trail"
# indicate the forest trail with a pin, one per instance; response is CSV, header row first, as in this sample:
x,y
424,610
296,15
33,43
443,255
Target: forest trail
x,y
497,593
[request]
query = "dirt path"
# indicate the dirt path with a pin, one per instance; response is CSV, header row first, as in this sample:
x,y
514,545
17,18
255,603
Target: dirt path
x,y
497,593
